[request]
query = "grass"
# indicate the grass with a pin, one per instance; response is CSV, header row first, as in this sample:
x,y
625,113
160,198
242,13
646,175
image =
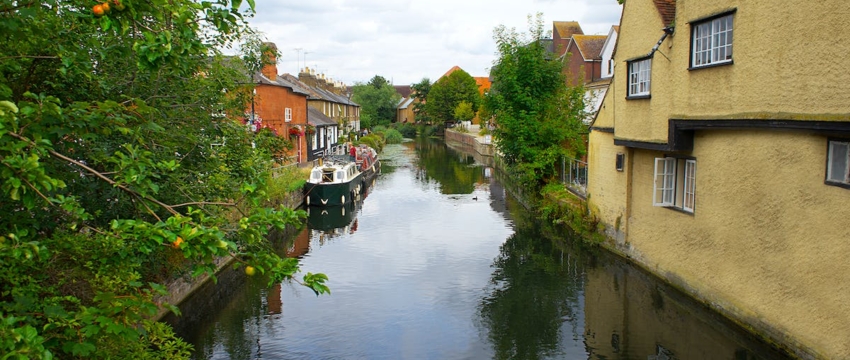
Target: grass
x,y
286,181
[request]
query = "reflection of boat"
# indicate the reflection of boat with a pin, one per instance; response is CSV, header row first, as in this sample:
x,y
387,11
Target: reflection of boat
x,y
338,179
327,218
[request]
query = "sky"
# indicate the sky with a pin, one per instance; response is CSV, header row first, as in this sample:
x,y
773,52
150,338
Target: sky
x,y
405,41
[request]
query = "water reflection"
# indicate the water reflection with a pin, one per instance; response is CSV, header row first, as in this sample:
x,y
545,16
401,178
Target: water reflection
x,y
444,265
456,172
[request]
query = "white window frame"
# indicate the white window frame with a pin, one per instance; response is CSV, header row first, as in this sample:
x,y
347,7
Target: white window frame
x,y
664,186
838,151
711,41
287,116
669,183
689,202
640,74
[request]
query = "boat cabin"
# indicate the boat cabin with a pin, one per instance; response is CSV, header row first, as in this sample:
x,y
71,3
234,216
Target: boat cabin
x,y
333,174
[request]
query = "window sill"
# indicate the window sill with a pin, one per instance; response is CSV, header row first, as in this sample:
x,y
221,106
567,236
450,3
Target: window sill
x,y
837,184
678,209
638,97
725,63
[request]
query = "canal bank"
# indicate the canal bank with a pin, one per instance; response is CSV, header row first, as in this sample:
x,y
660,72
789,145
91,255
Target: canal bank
x,y
571,209
183,287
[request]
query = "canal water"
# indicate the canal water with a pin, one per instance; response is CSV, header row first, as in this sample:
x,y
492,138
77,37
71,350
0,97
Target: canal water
x,y
437,261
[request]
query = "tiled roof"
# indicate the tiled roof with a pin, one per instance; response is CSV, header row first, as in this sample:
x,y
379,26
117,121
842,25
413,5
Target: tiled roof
x,y
483,84
565,29
453,69
590,46
317,93
404,90
259,78
404,103
316,118
667,10
601,83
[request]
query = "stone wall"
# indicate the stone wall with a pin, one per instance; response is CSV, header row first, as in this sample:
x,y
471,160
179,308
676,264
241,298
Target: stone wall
x,y
181,288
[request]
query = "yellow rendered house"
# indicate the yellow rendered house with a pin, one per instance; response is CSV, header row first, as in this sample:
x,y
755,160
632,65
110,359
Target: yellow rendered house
x,y
720,160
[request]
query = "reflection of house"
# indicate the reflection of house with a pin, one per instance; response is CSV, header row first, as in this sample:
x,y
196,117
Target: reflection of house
x,y
628,312
280,105
720,162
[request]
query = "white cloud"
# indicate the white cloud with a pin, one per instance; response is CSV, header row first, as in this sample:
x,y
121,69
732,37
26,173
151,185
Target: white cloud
x,y
405,40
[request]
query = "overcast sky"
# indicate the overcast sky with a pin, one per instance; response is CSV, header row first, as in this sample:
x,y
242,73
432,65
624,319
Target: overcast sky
x,y
405,41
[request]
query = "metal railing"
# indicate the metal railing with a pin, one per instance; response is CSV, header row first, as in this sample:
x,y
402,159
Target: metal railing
x,y
278,170
573,174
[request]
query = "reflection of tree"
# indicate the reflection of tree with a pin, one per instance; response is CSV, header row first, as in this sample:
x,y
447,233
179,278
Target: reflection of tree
x,y
535,292
454,171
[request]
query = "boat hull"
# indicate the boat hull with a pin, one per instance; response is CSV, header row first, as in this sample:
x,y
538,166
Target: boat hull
x,y
331,194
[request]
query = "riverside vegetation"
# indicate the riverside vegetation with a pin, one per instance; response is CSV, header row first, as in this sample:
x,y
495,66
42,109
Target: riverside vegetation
x,y
121,163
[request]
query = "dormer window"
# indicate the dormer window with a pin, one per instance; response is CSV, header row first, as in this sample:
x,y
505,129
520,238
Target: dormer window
x,y
640,72
711,41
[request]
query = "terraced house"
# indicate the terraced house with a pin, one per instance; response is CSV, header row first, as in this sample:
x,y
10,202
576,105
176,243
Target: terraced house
x,y
719,160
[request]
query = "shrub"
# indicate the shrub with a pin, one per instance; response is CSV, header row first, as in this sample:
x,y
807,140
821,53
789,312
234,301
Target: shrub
x,y
392,136
374,141
407,130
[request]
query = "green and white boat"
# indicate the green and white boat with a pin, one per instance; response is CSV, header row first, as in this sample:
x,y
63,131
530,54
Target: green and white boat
x,y
335,180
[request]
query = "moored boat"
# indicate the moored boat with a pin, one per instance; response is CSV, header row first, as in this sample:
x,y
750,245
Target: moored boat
x,y
338,179
335,180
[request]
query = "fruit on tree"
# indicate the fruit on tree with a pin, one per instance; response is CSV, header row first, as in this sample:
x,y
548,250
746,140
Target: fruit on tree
x,y
176,243
105,6
98,10
250,270
118,5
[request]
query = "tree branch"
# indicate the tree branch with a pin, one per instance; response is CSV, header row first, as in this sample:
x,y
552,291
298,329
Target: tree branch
x,y
99,175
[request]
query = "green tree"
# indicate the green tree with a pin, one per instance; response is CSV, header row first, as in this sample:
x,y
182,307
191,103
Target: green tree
x,y
463,111
538,117
420,94
118,165
448,92
378,100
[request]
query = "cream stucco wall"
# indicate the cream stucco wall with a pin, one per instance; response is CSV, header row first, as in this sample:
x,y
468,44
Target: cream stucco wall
x,y
789,59
607,186
768,241
640,29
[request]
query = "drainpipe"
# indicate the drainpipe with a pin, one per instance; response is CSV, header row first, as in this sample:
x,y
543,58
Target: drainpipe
x,y
667,31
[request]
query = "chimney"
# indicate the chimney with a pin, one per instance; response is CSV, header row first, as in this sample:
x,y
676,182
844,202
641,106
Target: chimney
x,y
269,61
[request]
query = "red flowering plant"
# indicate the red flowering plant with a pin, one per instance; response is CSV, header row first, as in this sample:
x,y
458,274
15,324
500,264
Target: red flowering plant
x,y
295,131
310,129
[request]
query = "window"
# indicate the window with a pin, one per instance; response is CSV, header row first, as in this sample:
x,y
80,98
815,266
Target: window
x,y
838,163
675,183
711,41
639,74
288,115
610,67
621,159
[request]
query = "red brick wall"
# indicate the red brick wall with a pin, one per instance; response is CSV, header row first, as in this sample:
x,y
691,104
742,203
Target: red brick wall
x,y
577,67
270,105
